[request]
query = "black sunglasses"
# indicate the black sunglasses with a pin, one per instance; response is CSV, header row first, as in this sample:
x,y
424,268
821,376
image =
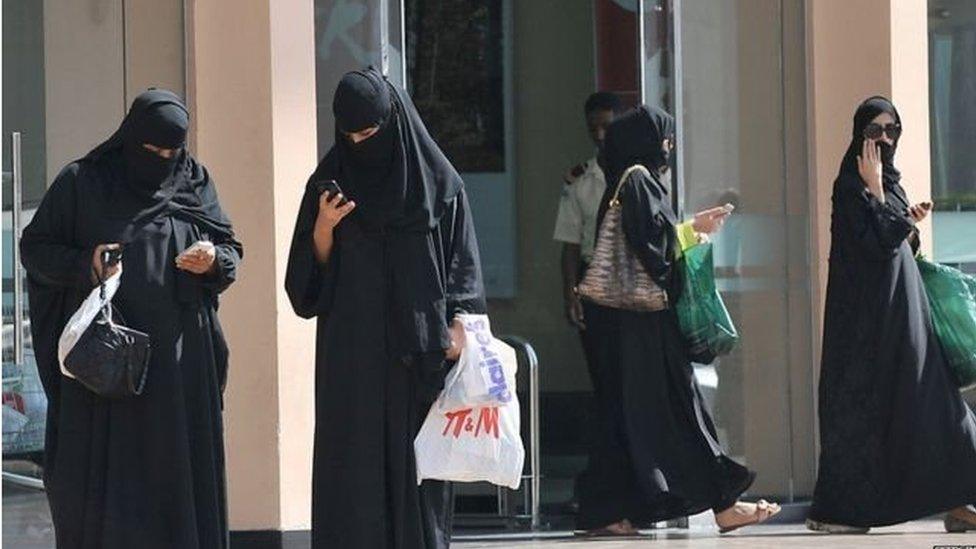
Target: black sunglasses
x,y
874,131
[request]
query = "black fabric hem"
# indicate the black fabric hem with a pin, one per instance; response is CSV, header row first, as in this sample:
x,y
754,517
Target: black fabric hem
x,y
901,519
665,506
731,497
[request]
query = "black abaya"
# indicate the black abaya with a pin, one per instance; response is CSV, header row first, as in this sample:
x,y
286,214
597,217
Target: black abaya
x,y
380,342
897,440
657,455
145,471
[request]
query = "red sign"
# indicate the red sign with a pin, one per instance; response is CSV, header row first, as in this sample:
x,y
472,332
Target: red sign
x,y
482,423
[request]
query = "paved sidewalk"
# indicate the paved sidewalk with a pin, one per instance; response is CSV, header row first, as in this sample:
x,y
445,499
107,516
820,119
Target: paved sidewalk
x,y
922,534
26,525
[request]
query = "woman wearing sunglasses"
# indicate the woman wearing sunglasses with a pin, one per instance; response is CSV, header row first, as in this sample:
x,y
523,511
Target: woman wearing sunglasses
x,y
897,440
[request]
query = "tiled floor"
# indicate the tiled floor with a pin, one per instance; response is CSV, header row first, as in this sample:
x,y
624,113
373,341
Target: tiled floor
x,y
26,519
26,525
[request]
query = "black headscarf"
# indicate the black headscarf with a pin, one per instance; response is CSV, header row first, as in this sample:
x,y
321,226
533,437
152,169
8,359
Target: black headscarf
x,y
866,112
149,186
399,178
637,137
402,185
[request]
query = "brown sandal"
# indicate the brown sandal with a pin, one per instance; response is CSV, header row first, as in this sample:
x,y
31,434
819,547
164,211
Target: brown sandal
x,y
960,520
763,512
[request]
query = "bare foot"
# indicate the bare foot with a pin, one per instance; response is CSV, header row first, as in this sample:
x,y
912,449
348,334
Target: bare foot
x,y
622,528
745,514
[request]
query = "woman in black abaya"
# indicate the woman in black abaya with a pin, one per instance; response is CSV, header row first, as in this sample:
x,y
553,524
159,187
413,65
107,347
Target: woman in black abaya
x,y
145,471
657,456
384,274
897,441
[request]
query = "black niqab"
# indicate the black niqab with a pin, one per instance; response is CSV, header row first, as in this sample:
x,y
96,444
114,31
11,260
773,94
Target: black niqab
x,y
163,125
866,112
402,185
637,138
399,177
149,186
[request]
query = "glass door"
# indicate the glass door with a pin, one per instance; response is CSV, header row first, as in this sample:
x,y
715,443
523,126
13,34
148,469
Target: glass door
x,y
719,68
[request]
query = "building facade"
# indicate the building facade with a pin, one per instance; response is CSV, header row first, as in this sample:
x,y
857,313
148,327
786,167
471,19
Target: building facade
x,y
763,92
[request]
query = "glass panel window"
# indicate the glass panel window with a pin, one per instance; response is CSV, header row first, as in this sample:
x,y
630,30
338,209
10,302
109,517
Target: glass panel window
x,y
952,87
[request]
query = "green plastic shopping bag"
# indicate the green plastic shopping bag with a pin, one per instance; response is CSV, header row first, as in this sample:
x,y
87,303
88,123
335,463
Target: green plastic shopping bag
x,y
702,316
952,300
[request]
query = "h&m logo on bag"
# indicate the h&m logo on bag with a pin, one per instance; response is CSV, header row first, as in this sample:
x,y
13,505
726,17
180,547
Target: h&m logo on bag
x,y
488,360
464,422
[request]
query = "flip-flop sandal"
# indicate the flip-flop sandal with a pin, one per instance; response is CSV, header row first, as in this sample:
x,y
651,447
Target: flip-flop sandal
x,y
764,511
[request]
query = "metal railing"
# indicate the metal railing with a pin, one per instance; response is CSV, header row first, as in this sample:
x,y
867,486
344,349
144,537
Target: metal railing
x,y
18,203
532,496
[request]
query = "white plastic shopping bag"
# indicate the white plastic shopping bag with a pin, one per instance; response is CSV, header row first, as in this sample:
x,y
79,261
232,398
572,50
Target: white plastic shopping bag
x,y
84,316
471,433
485,372
471,445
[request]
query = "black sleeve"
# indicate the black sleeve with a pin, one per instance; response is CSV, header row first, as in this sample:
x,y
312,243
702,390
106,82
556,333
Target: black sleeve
x,y
309,284
874,229
646,226
229,252
49,251
58,269
465,291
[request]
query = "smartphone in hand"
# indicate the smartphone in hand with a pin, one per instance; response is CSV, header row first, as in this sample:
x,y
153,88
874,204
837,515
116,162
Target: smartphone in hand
x,y
112,257
196,247
332,187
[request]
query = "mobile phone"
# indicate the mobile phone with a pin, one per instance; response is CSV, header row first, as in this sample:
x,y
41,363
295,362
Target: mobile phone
x,y
332,187
195,247
112,257
728,207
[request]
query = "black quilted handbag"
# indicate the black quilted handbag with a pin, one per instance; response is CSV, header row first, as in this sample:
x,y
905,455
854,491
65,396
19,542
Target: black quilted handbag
x,y
109,358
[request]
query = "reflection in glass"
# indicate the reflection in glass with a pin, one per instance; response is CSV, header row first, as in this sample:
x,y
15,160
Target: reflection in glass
x,y
952,82
732,149
348,37
456,78
658,54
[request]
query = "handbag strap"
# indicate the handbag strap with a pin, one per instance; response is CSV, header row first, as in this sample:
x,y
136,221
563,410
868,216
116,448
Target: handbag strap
x,y
615,199
102,291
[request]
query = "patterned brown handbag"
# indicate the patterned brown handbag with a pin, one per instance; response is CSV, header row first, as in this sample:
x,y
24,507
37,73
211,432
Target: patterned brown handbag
x,y
615,277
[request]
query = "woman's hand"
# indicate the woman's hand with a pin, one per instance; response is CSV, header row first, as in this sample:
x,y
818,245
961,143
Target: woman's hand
x,y
711,220
457,341
331,212
869,166
99,270
201,258
920,211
